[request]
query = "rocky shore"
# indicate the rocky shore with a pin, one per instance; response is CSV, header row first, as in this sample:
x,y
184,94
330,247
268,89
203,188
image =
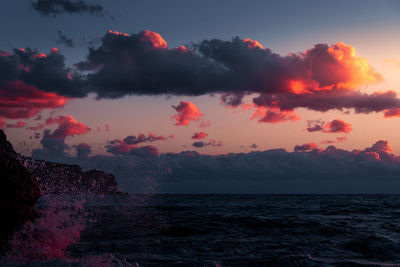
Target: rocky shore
x,y
24,180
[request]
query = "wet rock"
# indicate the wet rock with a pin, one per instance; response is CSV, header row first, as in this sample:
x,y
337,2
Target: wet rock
x,y
57,178
19,191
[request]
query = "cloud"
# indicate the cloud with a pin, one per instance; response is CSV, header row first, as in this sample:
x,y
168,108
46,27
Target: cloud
x,y
187,111
119,147
199,135
306,147
141,63
380,147
83,150
274,115
21,101
40,72
52,146
331,170
141,138
252,44
129,146
213,143
321,78
53,142
62,39
337,126
394,112
276,171
56,7
67,126
315,125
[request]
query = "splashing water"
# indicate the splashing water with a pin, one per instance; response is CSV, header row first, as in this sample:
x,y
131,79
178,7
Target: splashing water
x,y
60,224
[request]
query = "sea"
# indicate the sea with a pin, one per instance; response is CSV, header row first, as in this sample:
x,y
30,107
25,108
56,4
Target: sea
x,y
210,230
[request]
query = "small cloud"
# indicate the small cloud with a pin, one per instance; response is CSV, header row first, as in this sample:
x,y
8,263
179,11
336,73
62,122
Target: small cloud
x,y
199,135
62,39
56,7
187,111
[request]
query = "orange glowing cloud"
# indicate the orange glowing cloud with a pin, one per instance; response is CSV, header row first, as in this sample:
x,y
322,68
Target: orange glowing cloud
x,y
274,115
336,67
337,126
181,48
298,87
187,111
54,50
252,44
154,39
343,70
381,147
390,113
117,33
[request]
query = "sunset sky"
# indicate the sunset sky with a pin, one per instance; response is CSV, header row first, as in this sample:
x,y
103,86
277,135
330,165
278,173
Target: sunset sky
x,y
299,72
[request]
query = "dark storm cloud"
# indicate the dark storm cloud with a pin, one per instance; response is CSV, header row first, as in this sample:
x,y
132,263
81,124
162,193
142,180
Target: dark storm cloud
x,y
56,7
46,72
142,64
317,79
321,78
62,39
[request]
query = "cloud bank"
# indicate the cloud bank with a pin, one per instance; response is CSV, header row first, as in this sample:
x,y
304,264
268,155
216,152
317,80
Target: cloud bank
x,y
311,170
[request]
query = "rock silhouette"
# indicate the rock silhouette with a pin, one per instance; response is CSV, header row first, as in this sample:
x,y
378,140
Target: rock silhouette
x,y
19,191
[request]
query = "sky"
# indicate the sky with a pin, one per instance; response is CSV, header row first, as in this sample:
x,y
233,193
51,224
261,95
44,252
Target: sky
x,y
116,78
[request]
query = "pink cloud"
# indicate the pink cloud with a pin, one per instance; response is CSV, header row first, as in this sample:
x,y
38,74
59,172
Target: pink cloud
x,y
187,111
67,126
199,135
337,126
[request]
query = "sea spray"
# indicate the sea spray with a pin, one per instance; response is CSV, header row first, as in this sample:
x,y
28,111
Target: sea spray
x,y
61,221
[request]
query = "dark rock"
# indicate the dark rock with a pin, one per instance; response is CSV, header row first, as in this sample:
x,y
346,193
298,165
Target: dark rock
x,y
57,178
23,180
19,191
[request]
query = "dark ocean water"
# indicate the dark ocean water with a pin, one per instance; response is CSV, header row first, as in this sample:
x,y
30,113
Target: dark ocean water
x,y
232,230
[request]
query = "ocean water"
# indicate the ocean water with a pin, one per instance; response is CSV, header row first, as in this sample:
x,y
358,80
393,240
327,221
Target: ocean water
x,y
212,230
